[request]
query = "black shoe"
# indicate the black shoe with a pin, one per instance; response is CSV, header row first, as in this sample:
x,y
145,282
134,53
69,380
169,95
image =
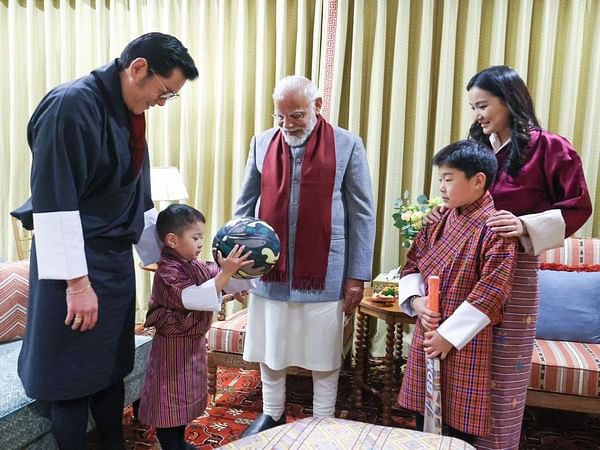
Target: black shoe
x,y
263,422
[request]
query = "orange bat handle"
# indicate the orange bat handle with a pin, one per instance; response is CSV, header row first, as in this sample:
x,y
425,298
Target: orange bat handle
x,y
433,296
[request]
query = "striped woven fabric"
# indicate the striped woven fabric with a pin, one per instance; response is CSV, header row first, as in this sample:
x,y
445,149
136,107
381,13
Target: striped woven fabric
x,y
314,433
566,367
228,335
576,251
14,290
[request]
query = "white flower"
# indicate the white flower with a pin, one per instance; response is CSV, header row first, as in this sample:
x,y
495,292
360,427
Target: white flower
x,y
417,217
410,217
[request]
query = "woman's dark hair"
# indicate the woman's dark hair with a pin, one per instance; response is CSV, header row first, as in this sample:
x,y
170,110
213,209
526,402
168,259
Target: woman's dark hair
x,y
469,157
506,84
176,219
163,53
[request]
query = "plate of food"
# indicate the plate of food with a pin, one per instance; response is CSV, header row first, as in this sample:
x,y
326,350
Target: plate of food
x,y
386,297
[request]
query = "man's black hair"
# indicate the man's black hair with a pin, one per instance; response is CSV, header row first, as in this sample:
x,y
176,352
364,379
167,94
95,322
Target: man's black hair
x,y
469,157
176,219
163,53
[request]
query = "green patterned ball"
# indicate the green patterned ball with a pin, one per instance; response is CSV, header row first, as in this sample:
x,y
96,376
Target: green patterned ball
x,y
257,236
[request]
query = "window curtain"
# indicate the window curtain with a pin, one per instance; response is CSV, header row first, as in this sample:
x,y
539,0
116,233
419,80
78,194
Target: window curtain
x,y
393,72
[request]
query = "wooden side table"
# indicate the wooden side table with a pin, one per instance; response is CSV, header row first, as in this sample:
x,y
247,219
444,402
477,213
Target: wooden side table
x,y
394,319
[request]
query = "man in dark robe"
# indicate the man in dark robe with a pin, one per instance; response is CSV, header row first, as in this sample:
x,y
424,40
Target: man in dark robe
x,y
90,201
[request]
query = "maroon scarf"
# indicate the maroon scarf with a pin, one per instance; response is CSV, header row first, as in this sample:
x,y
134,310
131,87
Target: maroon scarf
x,y
313,235
137,141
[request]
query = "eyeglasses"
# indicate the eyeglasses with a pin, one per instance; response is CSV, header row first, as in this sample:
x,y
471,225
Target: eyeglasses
x,y
295,116
167,94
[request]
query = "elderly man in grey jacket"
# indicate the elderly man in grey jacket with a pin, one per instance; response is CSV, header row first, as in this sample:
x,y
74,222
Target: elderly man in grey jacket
x,y
310,181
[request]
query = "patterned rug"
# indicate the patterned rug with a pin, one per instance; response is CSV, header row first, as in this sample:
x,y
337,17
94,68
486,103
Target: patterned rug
x,y
239,401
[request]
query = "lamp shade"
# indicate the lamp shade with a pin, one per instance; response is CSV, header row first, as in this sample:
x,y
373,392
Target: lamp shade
x,y
167,184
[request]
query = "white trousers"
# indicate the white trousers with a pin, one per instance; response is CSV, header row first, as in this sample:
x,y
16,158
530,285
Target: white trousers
x,y
325,385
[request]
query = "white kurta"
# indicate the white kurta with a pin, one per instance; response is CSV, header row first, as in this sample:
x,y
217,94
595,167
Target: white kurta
x,y
307,335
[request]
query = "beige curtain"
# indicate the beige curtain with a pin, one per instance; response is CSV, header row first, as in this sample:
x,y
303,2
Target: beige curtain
x,y
391,71
401,71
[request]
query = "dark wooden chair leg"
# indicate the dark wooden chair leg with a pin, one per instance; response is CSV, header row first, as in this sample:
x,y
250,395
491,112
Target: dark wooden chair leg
x,y
388,374
361,327
398,357
212,384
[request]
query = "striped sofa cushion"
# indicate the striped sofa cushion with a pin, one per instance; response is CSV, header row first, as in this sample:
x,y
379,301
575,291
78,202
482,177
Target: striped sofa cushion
x,y
575,252
566,368
228,335
14,290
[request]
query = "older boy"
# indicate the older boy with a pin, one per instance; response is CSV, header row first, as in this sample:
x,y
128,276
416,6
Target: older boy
x,y
475,266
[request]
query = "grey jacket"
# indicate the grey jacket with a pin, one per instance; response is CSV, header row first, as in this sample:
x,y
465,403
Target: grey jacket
x,y
352,215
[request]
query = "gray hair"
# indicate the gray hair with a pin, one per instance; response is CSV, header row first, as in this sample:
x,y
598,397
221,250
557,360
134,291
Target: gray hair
x,y
294,83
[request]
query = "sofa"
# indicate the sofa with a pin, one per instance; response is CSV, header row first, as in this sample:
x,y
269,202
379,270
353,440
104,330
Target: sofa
x,y
24,422
565,370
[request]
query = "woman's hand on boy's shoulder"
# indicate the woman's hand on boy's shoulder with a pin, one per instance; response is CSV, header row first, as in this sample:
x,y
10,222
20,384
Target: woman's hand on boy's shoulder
x,y
506,224
434,215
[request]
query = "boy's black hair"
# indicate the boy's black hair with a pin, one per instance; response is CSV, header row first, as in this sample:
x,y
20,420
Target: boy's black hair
x,y
469,157
163,53
176,219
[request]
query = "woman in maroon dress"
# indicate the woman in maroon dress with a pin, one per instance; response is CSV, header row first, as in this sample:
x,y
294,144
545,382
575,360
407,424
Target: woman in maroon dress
x,y
542,197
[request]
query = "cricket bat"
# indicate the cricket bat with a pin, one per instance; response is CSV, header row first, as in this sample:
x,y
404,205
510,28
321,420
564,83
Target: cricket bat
x,y
433,390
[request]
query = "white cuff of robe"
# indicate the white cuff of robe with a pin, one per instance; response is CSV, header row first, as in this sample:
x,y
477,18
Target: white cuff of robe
x,y
463,325
201,298
237,285
148,246
408,286
546,230
59,245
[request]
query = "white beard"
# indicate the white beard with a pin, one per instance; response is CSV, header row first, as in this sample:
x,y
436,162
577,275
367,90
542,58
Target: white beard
x,y
297,141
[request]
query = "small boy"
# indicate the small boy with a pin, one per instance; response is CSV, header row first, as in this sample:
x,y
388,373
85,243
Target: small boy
x,y
475,266
185,293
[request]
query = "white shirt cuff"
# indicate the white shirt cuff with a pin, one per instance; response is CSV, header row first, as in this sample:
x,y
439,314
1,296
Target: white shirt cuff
x,y
239,285
59,245
546,230
202,298
408,286
149,246
463,325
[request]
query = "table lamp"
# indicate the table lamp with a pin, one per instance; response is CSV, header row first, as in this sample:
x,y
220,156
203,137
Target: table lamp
x,y
167,186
